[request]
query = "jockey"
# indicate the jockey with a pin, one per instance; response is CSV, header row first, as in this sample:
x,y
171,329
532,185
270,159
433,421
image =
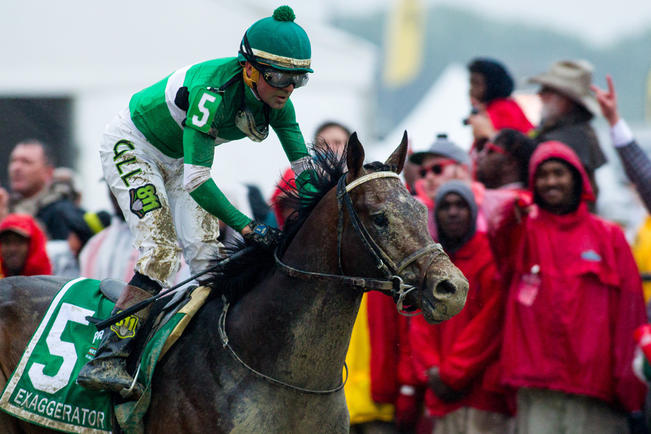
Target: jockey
x,y
157,155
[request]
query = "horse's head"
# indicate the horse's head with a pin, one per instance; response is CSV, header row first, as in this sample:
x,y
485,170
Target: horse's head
x,y
392,227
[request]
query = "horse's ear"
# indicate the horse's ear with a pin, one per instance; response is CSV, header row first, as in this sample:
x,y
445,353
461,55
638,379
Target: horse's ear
x,y
397,159
354,156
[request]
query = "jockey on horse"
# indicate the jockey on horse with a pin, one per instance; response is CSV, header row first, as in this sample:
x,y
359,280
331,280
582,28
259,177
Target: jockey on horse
x,y
157,154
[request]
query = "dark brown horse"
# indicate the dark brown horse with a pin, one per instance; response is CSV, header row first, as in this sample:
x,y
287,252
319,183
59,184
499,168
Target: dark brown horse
x,y
288,334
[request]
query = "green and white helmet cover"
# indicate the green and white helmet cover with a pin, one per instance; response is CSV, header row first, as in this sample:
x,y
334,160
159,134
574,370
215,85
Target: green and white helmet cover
x,y
277,41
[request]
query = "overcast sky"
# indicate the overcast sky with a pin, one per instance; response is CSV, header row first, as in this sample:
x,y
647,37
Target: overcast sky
x,y
597,21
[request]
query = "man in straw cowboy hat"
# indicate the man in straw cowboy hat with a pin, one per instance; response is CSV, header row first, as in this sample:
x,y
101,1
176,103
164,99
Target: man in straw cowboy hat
x,y
568,105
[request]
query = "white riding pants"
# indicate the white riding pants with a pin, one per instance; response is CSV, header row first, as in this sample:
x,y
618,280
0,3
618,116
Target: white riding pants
x,y
161,215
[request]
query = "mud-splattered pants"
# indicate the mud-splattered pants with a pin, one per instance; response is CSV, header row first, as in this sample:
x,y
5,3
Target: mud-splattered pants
x,y
161,215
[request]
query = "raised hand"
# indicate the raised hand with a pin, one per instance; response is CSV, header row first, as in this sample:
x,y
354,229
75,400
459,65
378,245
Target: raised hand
x,y
607,101
482,126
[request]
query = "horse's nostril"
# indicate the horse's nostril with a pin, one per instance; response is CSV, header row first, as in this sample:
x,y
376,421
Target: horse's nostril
x,y
445,287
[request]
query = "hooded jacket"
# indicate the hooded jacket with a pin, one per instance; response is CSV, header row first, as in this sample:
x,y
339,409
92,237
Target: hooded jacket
x,y
574,300
37,261
462,189
466,347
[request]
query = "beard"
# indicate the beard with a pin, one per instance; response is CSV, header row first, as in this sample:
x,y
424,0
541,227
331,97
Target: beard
x,y
549,112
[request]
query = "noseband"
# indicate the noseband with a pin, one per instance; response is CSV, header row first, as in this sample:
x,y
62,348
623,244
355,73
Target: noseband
x,y
393,284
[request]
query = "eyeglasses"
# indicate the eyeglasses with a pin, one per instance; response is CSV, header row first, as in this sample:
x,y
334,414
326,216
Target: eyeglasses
x,y
489,148
281,79
436,168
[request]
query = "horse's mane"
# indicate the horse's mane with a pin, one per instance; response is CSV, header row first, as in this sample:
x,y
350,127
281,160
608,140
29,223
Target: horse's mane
x,y
241,275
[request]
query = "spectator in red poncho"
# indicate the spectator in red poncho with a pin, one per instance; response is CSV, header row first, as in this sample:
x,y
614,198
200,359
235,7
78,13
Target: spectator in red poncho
x,y
22,247
574,301
457,359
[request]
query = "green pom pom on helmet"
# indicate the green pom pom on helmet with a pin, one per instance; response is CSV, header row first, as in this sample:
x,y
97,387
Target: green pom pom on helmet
x,y
284,13
277,41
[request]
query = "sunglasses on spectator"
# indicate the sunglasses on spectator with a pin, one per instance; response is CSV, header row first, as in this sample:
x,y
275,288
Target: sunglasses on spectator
x,y
436,168
489,148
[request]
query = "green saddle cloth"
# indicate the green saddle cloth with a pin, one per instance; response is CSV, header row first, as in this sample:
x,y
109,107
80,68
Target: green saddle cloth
x,y
43,388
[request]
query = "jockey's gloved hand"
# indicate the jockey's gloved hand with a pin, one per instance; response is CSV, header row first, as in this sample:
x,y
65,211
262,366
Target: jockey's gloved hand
x,y
262,235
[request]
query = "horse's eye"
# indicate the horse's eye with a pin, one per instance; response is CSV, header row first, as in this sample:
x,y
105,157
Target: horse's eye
x,y
380,220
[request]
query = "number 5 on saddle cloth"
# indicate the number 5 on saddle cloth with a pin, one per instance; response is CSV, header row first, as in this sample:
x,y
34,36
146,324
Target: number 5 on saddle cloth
x,y
43,388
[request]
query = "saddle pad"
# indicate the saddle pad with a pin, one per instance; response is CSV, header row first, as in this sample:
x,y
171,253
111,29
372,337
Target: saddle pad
x,y
42,389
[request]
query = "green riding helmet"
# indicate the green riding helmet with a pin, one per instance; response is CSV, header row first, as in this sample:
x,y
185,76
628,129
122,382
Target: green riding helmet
x,y
277,42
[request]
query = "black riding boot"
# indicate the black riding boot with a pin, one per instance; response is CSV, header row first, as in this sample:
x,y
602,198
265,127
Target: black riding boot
x,y
107,371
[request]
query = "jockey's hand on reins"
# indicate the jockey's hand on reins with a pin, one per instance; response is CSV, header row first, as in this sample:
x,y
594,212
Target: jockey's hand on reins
x,y
262,235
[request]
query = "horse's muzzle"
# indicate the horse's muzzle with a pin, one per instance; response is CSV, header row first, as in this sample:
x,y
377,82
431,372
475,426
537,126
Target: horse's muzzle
x,y
443,296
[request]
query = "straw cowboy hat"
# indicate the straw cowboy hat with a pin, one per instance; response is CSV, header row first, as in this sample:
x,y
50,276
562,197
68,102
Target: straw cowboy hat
x,y
572,79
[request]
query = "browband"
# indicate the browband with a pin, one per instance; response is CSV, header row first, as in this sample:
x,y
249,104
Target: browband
x,y
361,180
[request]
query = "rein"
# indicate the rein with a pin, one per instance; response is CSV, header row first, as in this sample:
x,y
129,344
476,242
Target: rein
x,y
392,285
225,343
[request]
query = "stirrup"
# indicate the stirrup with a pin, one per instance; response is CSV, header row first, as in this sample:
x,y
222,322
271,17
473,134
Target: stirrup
x,y
136,389
94,380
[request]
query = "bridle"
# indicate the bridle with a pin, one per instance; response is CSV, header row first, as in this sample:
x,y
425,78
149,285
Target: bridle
x,y
392,285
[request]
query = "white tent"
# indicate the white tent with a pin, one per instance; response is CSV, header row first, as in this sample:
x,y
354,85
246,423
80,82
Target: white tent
x,y
101,53
441,110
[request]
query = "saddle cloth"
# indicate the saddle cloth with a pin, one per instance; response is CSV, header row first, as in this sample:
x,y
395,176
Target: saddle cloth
x,y
43,388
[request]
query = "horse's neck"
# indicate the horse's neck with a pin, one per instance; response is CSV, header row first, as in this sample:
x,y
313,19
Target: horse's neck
x,y
301,328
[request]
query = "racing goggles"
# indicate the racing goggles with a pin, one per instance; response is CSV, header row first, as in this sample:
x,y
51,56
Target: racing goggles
x,y
281,79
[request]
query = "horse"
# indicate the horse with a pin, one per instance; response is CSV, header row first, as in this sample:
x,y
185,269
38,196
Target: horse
x,y
271,358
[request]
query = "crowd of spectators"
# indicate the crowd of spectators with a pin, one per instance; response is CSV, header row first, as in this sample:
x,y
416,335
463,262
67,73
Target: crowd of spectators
x,y
547,340
545,343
